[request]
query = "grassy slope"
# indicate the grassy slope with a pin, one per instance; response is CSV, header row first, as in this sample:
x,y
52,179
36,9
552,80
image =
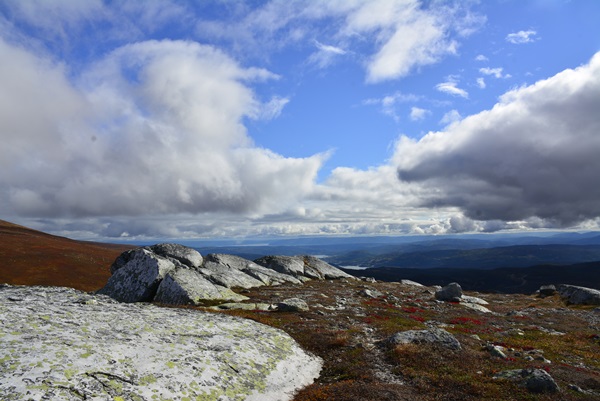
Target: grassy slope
x,y
30,257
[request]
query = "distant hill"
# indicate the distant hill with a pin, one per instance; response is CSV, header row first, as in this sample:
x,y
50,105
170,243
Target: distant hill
x,y
524,280
30,257
481,258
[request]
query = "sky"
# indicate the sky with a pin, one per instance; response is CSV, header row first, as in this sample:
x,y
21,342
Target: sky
x,y
129,120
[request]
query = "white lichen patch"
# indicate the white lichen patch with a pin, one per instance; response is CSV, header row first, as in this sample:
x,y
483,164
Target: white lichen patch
x,y
62,344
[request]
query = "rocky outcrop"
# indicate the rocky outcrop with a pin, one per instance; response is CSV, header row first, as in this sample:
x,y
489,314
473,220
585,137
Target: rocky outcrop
x,y
303,267
175,274
576,295
62,344
137,276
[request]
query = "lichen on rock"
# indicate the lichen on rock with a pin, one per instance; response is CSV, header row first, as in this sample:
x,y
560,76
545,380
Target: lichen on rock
x,y
61,344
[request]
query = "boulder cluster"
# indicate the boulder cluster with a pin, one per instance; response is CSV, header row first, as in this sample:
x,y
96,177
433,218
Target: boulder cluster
x,y
177,275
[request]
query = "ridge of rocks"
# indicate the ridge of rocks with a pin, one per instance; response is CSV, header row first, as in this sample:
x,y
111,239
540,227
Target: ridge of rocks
x,y
175,274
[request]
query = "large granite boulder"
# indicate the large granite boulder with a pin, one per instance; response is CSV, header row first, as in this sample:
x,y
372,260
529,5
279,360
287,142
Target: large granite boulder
x,y
187,256
289,265
228,271
579,295
184,286
137,279
323,270
62,344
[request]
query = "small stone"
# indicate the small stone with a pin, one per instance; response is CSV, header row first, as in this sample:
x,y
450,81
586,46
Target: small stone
x,y
370,293
292,305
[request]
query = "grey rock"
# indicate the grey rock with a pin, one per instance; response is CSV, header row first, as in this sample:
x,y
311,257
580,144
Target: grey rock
x,y
475,306
370,293
411,283
62,344
496,350
547,290
292,305
269,276
323,270
291,265
579,295
231,261
138,279
226,276
435,336
473,300
187,256
451,293
535,380
185,286
244,306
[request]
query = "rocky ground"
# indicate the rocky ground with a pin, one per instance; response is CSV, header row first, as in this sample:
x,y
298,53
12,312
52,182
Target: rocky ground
x,y
377,340
349,324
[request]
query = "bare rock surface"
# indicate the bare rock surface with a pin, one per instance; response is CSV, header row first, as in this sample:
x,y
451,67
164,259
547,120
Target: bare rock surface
x,y
431,336
61,344
579,295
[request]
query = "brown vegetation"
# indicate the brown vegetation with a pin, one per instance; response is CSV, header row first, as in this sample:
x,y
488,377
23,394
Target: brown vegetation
x,y
30,257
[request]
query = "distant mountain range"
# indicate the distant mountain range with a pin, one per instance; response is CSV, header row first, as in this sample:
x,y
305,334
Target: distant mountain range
x,y
482,262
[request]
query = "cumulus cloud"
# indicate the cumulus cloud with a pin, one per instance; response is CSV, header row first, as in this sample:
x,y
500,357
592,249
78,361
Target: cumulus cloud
x,y
450,87
155,127
521,37
481,83
533,156
481,57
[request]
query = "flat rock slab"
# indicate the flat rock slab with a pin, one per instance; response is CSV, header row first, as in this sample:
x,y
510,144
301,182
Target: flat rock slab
x,y
62,344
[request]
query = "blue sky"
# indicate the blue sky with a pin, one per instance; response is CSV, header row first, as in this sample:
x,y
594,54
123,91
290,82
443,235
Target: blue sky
x,y
175,119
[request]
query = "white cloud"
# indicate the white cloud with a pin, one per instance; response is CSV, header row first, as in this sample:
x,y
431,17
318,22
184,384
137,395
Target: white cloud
x,y
481,57
417,113
154,128
389,103
521,37
450,88
495,72
534,155
450,117
481,83
325,54
394,37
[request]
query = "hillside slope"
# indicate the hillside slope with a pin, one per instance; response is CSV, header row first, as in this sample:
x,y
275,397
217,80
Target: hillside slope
x,y
30,257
